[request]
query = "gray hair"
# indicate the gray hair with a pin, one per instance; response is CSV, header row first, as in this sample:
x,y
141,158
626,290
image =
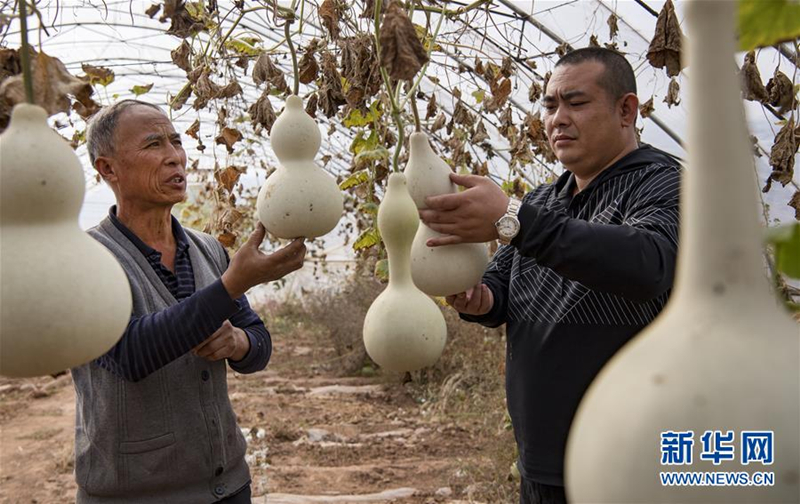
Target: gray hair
x,y
103,125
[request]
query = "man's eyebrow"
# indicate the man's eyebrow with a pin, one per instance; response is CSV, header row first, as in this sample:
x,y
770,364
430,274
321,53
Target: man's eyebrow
x,y
573,94
160,136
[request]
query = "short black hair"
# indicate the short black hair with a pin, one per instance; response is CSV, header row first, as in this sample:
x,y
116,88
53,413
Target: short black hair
x,y
618,78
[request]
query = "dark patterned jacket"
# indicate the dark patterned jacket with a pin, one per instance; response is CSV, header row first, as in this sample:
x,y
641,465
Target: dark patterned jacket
x,y
584,275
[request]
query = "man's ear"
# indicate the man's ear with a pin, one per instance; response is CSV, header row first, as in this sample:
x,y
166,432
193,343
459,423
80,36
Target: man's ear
x,y
629,109
107,170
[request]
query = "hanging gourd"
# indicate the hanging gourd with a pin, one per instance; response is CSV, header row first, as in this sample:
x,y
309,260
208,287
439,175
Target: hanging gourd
x,y
438,271
404,329
64,298
723,357
299,199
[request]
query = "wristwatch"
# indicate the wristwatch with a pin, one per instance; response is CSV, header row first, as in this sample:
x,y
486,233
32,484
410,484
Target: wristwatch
x,y
508,225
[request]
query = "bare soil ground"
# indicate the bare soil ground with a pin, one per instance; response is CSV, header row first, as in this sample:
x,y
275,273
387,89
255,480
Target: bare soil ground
x,y
313,435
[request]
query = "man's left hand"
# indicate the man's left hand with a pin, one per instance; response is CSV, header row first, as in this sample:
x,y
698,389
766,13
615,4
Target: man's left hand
x,y
227,342
465,217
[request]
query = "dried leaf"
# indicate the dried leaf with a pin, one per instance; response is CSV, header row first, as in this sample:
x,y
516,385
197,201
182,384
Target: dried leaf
x,y
230,90
308,68
138,90
330,18
500,93
53,85
261,112
480,134
481,169
593,42
665,48
535,92
360,69
673,93
369,9
180,56
311,106
194,129
647,108
508,67
563,49
228,177
752,86
182,25
463,116
781,156
439,122
86,110
152,10
180,99
227,239
478,66
331,96
402,53
98,75
9,63
432,107
795,203
781,92
266,71
613,29
228,137
205,89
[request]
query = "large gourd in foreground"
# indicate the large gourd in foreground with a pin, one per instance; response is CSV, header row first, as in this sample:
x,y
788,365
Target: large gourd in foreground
x,y
451,269
299,199
723,356
64,299
404,330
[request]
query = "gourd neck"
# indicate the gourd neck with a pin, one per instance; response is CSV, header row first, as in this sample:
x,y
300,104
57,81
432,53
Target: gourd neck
x,y
398,221
418,145
720,251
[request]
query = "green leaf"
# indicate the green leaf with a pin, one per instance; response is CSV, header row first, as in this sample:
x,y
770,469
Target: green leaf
x,y
140,90
360,143
368,238
245,46
356,179
368,208
377,154
382,270
763,23
786,241
357,119
479,95
426,39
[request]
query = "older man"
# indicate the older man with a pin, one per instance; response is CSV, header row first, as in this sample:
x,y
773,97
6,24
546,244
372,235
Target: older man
x,y
154,422
587,262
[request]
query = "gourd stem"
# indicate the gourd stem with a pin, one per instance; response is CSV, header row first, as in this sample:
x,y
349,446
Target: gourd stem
x,y
401,138
286,31
417,125
26,52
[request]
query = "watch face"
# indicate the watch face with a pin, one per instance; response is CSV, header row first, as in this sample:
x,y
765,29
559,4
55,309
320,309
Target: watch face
x,y
507,227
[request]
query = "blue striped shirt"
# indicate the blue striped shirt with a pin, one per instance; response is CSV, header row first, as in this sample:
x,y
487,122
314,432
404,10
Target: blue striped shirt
x,y
152,341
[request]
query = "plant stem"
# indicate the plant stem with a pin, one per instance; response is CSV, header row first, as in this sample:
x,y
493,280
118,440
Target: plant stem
x,y
287,32
417,125
26,52
388,82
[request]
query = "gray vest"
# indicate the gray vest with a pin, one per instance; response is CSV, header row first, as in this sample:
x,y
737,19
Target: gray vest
x,y
171,437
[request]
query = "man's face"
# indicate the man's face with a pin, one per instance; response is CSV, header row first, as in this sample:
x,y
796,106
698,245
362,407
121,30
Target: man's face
x,y
583,123
149,163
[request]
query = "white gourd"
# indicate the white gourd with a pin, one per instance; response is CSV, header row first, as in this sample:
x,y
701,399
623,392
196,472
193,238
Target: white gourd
x,y
723,356
404,329
439,271
299,199
64,298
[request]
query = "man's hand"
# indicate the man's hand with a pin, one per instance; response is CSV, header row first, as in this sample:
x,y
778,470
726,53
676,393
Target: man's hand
x,y
477,300
227,342
249,266
465,217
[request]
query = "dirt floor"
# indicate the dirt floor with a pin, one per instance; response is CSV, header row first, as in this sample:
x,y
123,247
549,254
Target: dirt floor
x,y
313,436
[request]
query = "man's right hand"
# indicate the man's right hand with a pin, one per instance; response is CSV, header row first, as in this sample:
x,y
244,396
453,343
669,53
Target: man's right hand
x,y
477,300
250,267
